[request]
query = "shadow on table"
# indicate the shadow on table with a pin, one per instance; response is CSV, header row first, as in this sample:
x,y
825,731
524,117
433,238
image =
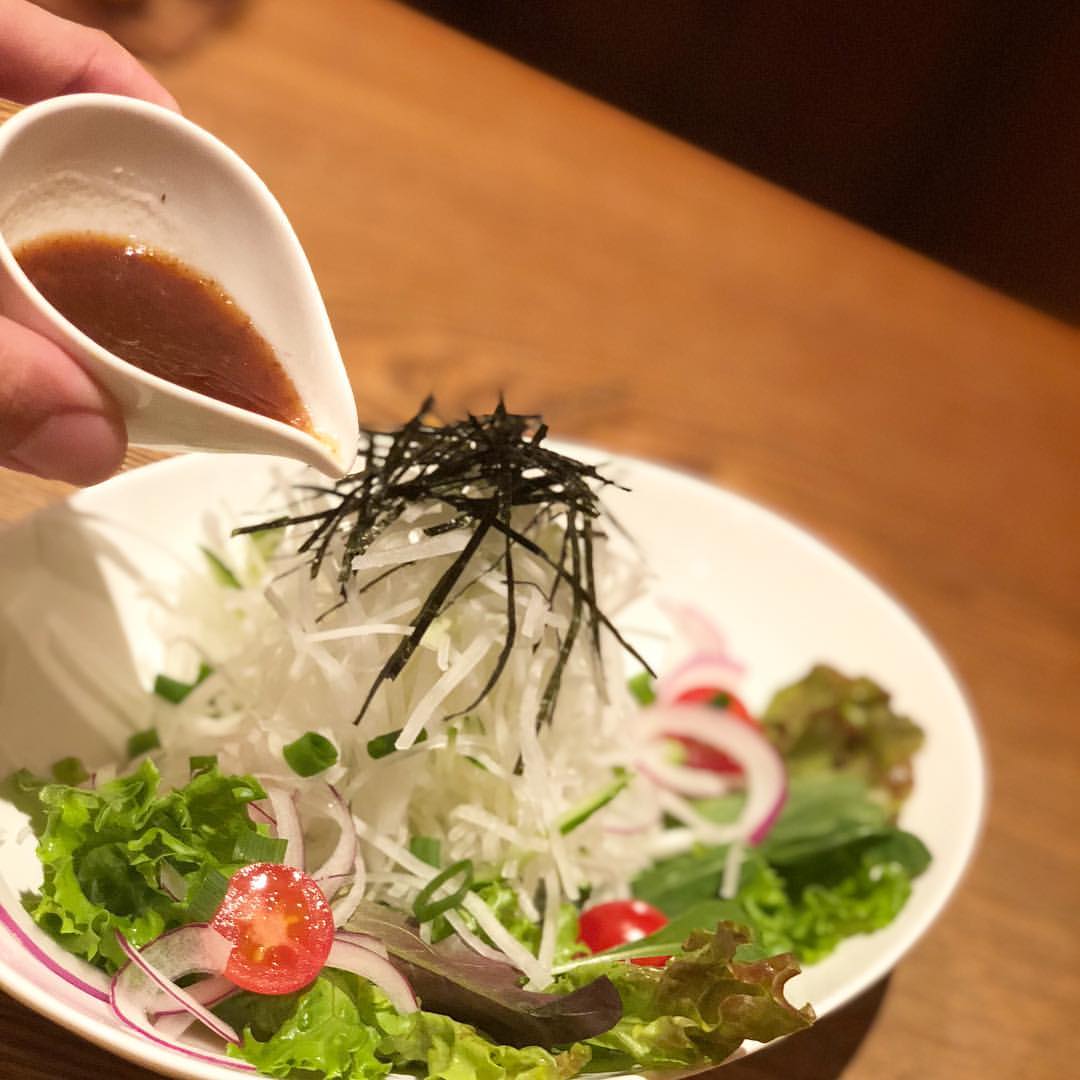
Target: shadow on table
x,y
822,1053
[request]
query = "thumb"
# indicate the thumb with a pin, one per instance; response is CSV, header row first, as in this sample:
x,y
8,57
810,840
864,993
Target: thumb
x,y
54,420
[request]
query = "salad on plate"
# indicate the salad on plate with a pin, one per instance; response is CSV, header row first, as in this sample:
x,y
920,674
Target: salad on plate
x,y
406,798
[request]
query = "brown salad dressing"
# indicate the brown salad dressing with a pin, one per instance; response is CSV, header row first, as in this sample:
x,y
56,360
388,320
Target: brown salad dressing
x,y
153,311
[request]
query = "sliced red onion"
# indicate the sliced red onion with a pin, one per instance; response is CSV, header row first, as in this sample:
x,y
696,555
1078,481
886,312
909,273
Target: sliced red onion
x,y
694,830
344,906
683,780
695,626
171,881
702,669
260,815
208,992
172,1023
763,769
342,859
365,941
677,840
641,816
147,1032
138,987
288,824
349,956
634,829
331,886
53,965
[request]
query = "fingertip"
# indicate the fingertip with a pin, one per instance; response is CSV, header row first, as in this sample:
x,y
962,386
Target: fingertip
x,y
55,421
43,55
78,447
110,68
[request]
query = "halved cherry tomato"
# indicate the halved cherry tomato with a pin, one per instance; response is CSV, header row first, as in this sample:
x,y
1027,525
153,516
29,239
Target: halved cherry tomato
x,y
618,922
280,926
698,755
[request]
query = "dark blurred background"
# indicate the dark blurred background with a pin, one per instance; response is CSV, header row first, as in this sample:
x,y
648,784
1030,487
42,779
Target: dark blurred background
x,y
952,126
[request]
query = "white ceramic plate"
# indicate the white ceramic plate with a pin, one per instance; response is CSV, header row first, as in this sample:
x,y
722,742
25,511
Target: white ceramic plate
x,y
74,583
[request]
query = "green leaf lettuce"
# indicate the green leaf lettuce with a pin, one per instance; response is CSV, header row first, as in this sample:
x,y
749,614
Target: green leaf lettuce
x,y
694,1012
828,721
343,1028
831,867
102,851
697,1009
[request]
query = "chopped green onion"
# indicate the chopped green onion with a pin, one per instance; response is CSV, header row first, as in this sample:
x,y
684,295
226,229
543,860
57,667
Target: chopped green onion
x,y
581,813
425,908
220,571
720,700
142,742
383,745
641,686
174,690
310,754
254,847
201,763
205,898
266,541
427,848
69,770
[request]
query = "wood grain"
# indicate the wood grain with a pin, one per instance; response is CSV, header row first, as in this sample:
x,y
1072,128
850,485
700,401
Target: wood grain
x,y
477,227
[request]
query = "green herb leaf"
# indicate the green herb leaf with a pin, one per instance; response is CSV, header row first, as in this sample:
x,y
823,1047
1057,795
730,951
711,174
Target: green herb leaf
x,y
679,882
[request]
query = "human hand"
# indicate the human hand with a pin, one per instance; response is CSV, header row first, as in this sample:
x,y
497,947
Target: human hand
x,y
55,421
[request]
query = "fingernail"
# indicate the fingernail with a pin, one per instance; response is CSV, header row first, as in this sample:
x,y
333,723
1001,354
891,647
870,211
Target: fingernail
x,y
78,446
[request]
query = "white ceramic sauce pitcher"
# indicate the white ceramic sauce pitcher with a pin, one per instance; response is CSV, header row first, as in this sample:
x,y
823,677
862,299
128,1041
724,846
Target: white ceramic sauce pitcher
x,y
117,166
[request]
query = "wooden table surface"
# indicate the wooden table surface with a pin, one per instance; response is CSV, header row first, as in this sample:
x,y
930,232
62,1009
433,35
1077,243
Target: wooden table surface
x,y
477,227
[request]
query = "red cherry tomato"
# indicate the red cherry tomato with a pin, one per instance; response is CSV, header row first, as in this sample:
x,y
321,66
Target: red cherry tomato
x,y
617,922
698,754
280,926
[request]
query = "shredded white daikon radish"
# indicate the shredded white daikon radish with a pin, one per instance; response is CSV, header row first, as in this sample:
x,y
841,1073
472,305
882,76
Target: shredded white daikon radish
x,y
478,775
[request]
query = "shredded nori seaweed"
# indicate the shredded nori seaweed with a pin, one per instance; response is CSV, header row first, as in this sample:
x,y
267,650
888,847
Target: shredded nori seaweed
x,y
481,468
